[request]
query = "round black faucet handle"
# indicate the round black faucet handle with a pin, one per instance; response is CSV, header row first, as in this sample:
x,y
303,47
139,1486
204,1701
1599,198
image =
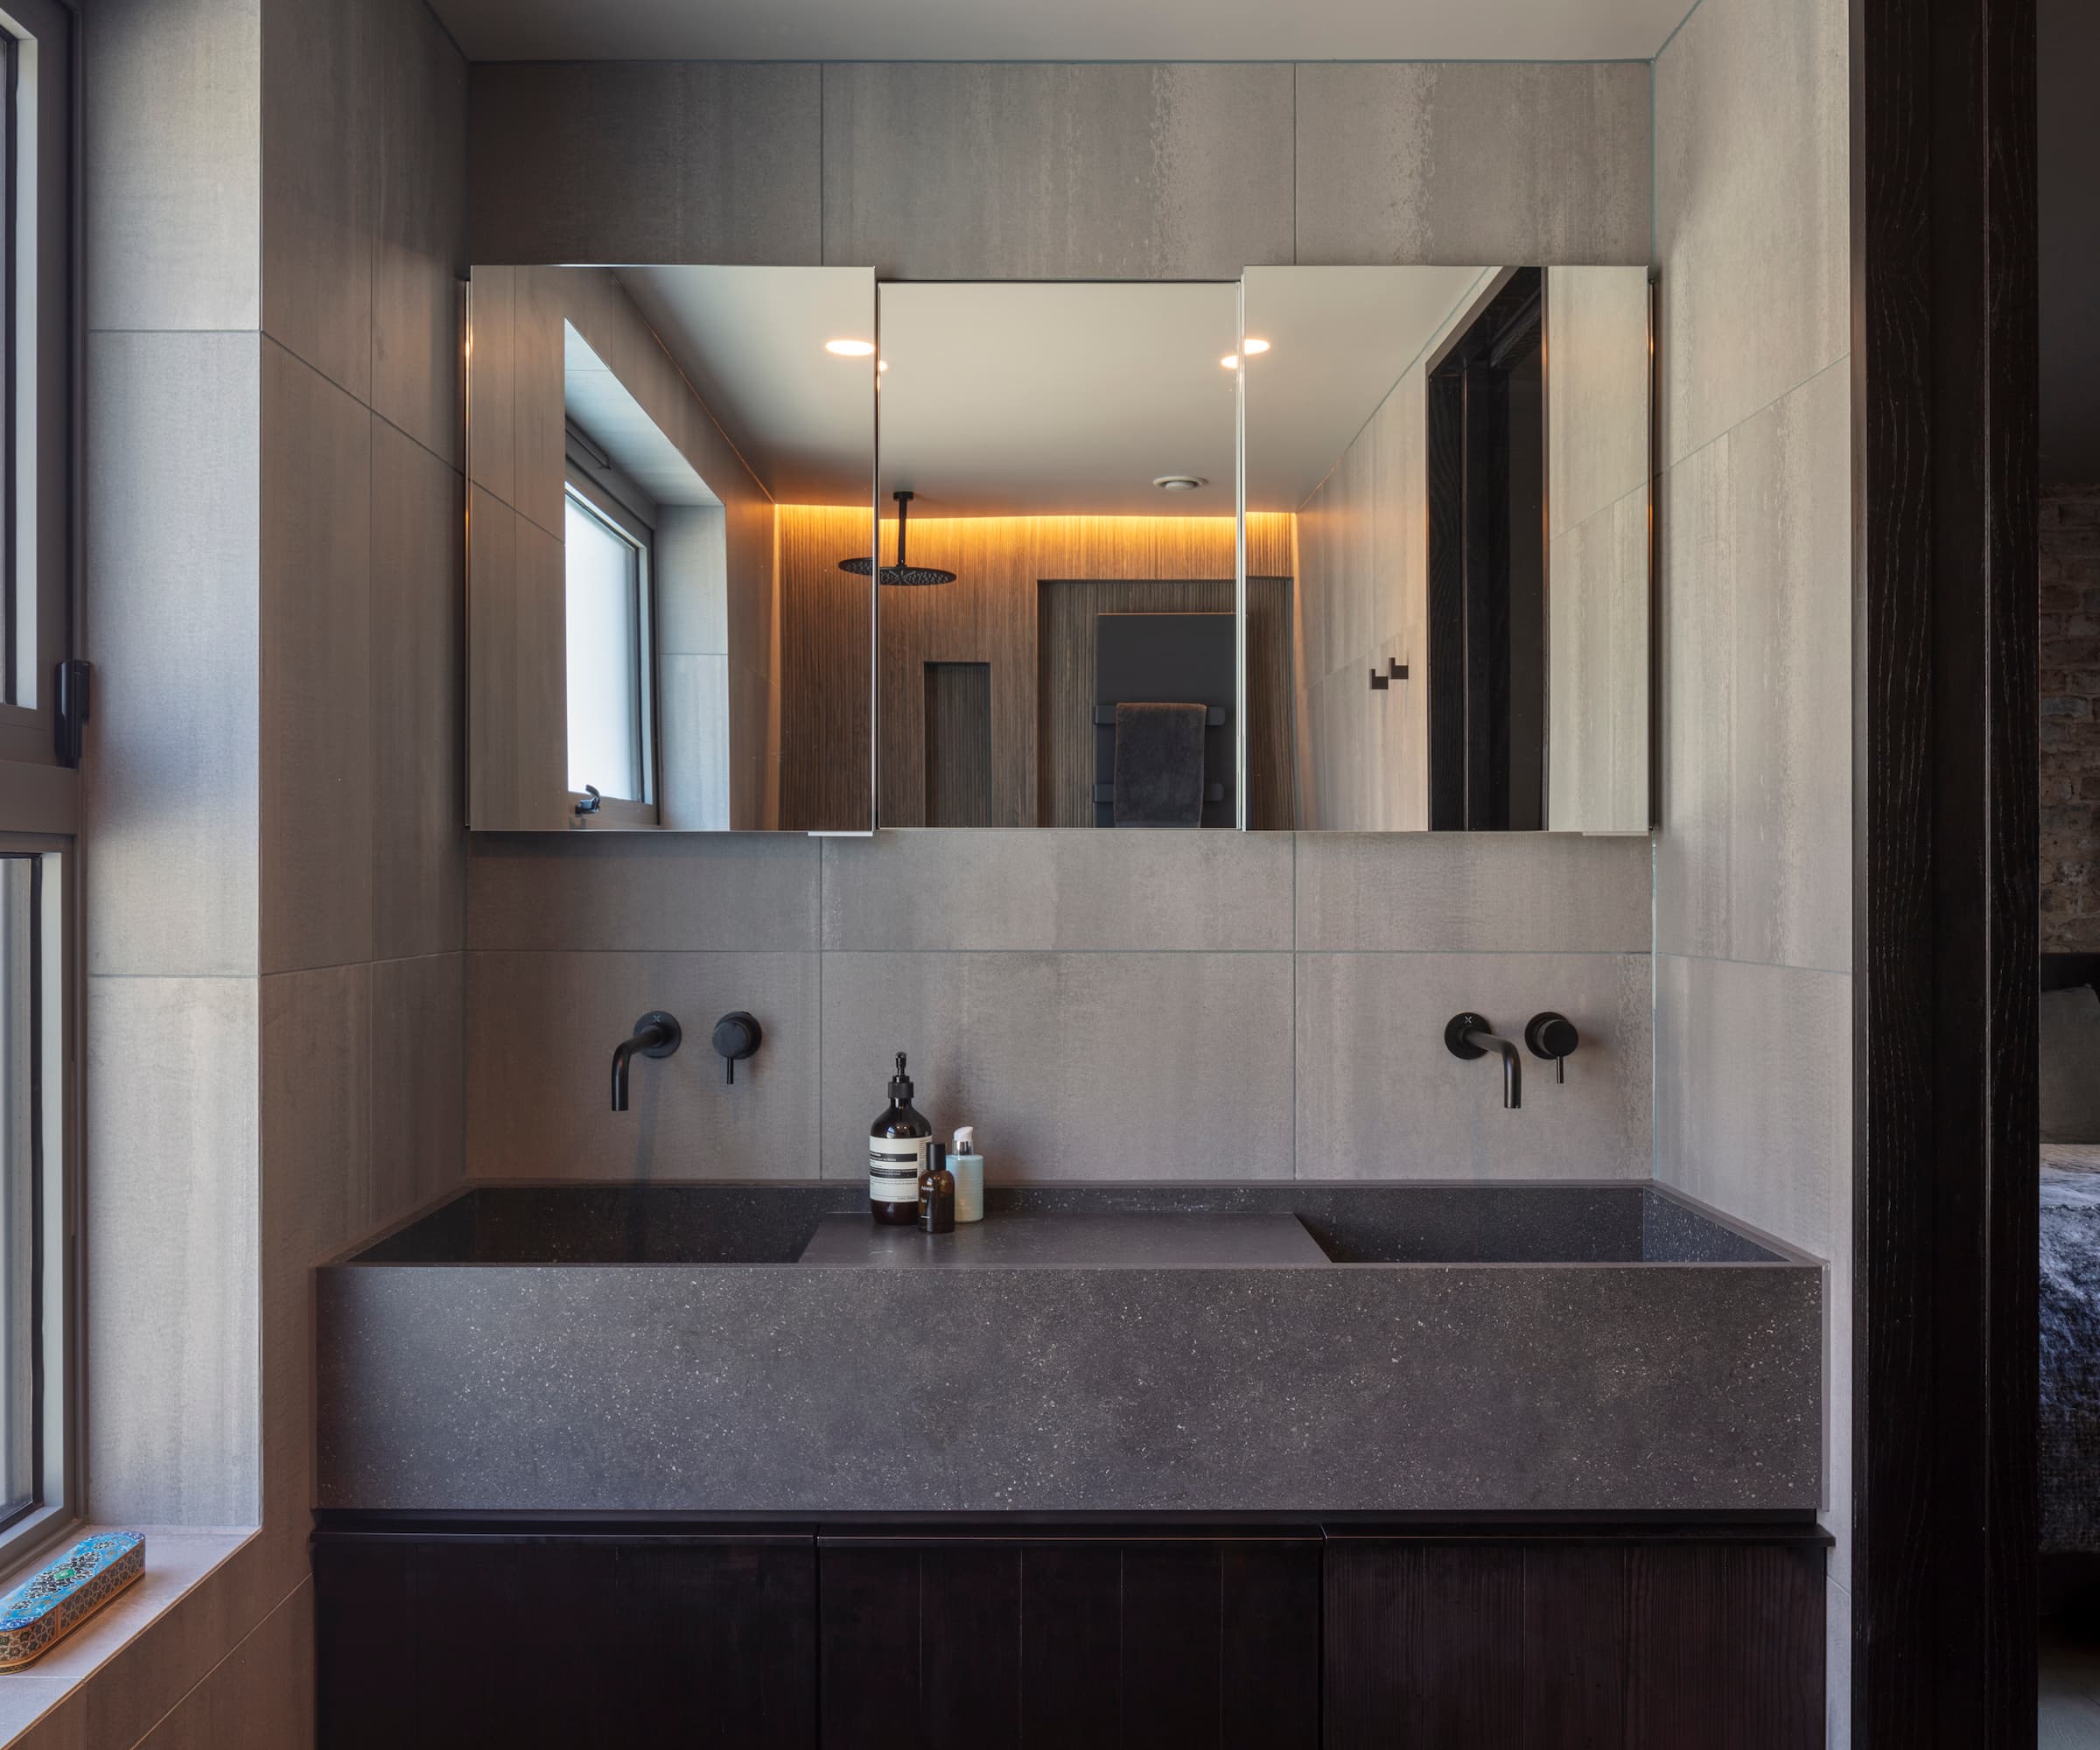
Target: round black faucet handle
x,y
1551,1036
737,1035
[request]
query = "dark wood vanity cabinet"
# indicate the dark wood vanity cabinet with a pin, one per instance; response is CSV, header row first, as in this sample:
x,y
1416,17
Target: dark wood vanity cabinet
x,y
1276,1638
1069,1643
1644,1644
522,1639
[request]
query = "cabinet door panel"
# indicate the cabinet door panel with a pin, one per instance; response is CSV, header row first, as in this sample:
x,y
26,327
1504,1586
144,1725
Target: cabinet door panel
x,y
868,1647
1170,1619
1576,1643
1071,1646
1424,1645
1728,1646
455,1643
1269,1605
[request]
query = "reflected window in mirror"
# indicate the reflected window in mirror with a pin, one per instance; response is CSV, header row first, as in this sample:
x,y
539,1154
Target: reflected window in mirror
x,y
654,454
607,548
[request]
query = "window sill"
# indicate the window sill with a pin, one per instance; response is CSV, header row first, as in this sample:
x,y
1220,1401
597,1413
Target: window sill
x,y
177,1562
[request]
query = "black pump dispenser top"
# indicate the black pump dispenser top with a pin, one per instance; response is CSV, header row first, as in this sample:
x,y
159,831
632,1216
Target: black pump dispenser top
x,y
900,1084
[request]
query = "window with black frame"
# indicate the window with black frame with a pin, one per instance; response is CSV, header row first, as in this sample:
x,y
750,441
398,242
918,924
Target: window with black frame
x,y
42,705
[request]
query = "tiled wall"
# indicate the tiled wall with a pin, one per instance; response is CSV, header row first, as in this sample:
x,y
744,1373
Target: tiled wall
x,y
2070,720
275,204
1161,1005
1153,1005
1752,875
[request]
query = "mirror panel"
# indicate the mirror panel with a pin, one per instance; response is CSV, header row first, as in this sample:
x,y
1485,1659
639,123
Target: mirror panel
x,y
1060,647
1461,456
650,451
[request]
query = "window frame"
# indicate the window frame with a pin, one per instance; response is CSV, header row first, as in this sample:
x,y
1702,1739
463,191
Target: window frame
x,y
54,1507
39,363
39,789
597,489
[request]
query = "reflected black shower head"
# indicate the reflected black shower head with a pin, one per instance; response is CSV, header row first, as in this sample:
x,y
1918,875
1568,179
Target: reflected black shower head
x,y
900,574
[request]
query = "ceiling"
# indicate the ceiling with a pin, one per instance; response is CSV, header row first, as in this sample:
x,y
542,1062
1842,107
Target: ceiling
x,y
1023,398
751,341
1071,29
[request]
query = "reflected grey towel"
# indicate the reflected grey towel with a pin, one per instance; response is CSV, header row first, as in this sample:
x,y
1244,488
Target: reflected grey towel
x,y
1160,764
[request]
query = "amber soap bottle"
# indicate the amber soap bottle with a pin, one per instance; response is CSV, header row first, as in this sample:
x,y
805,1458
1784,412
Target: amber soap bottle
x,y
897,1149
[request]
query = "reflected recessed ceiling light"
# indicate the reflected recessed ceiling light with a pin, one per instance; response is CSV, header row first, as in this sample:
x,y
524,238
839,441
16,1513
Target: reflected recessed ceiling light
x,y
1180,482
850,349
1231,362
1256,348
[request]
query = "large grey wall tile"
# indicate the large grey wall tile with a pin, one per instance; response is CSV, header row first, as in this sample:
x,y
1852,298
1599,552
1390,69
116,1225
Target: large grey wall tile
x,y
260,1696
173,163
315,1106
419,219
320,124
1543,892
1752,227
1051,888
1071,1066
418,1126
1043,170
660,161
173,565
418,831
1379,1097
541,1029
316,670
1755,859
628,890
1753,1106
173,1337
1442,162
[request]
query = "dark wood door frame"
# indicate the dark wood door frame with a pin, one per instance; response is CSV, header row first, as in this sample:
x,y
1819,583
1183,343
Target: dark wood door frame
x,y
1945,872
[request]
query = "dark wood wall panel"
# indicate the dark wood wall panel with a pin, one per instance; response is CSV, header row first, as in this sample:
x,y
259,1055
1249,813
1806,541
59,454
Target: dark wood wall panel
x,y
989,614
826,646
1945,872
958,744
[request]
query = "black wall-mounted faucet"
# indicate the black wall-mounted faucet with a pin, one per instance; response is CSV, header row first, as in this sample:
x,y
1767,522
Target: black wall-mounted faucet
x,y
656,1035
737,1035
1469,1035
1553,1037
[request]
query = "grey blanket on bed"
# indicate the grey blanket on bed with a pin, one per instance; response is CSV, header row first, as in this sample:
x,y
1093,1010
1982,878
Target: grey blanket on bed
x,y
2070,1347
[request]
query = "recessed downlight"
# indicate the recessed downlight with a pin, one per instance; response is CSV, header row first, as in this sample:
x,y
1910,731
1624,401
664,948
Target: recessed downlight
x,y
1180,482
1253,347
850,349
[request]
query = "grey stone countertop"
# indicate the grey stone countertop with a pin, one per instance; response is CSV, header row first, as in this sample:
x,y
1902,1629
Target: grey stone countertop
x,y
1123,1240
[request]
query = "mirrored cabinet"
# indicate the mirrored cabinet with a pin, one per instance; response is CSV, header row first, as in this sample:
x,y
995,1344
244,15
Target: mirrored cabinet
x,y
1349,549
665,464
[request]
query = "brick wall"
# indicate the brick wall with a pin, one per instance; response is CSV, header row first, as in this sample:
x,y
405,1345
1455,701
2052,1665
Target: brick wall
x,y
2070,719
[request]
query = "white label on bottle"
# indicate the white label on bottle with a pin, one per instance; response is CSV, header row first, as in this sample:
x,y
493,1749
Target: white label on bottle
x,y
894,1163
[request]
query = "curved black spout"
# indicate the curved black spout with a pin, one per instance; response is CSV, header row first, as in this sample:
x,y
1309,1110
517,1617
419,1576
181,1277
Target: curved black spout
x,y
1471,1035
656,1035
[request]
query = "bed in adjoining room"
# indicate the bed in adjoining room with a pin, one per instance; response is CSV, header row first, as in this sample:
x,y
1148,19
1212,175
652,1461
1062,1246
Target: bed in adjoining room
x,y
2069,1426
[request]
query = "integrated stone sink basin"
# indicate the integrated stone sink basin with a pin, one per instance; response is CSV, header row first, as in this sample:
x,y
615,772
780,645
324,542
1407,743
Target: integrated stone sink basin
x,y
1318,1347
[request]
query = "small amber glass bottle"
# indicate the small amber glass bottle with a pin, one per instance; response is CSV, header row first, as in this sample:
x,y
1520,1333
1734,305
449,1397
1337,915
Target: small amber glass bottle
x,y
937,1193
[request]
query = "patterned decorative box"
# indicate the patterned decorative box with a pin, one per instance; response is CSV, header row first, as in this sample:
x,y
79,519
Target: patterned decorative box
x,y
50,1604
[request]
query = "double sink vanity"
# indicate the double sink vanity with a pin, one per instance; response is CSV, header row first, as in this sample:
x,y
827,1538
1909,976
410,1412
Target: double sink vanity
x,y
1234,1464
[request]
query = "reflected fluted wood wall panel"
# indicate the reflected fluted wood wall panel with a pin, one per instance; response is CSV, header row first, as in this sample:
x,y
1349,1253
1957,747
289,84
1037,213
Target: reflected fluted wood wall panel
x,y
1065,678
989,614
825,683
